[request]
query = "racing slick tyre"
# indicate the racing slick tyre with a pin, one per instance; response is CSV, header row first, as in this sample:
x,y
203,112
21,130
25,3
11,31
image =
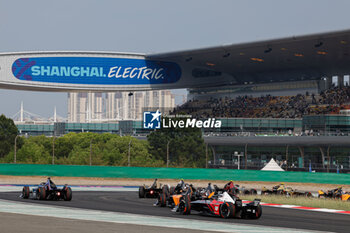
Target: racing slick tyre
x,y
68,194
25,192
227,210
162,200
257,214
142,192
165,190
172,190
185,206
41,193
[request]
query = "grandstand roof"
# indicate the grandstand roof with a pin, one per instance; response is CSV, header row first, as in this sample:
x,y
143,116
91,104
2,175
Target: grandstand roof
x,y
333,141
290,58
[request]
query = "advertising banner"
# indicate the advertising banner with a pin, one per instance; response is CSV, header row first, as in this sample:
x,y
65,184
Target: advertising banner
x,y
96,70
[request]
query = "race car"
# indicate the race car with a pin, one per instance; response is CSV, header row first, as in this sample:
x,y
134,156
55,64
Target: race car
x,y
170,197
336,193
277,189
47,191
294,192
152,191
282,190
223,205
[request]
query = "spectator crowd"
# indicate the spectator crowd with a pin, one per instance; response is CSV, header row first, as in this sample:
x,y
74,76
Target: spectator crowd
x,y
330,101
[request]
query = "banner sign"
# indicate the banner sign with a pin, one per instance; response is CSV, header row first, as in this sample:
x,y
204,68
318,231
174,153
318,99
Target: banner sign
x,y
96,70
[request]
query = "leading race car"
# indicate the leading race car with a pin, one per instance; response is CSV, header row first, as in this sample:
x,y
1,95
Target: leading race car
x,y
152,191
223,205
47,191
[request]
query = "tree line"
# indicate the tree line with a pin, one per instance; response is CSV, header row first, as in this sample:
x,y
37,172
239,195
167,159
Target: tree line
x,y
175,147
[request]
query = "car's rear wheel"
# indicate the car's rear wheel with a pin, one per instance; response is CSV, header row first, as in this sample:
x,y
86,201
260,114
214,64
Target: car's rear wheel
x,y
227,210
258,212
142,192
162,200
165,190
41,193
185,205
68,194
25,192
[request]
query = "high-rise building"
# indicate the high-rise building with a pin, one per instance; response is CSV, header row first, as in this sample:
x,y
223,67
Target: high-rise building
x,y
114,106
72,107
97,109
110,111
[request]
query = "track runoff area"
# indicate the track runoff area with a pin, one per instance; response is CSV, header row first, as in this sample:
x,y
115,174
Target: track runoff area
x,y
119,209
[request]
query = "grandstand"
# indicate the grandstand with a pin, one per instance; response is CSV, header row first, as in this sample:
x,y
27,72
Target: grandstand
x,y
329,101
266,125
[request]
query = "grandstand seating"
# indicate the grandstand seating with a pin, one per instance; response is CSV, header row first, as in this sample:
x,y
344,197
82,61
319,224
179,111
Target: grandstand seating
x,y
330,101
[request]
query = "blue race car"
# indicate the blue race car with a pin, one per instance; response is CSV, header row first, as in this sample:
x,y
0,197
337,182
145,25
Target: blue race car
x,y
47,191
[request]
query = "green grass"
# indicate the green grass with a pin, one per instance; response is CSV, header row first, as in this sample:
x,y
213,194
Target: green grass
x,y
301,201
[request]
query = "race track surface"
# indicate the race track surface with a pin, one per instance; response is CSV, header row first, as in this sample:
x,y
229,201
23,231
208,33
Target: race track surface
x,y
128,202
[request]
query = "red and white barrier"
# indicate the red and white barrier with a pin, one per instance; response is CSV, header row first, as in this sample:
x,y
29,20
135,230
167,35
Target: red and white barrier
x,y
303,208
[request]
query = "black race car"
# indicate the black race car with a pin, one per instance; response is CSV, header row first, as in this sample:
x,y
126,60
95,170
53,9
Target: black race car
x,y
47,191
152,191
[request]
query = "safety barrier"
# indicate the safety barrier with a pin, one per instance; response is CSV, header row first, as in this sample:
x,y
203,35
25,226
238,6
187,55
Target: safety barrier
x,y
171,173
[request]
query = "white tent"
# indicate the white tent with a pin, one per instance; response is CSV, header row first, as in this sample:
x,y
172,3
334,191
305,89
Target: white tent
x,y
272,166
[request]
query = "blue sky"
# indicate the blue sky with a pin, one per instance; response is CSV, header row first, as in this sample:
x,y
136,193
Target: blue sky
x,y
147,27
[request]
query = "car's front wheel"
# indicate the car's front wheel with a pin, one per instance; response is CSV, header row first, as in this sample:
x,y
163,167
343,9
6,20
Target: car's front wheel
x,y
227,210
258,213
185,205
